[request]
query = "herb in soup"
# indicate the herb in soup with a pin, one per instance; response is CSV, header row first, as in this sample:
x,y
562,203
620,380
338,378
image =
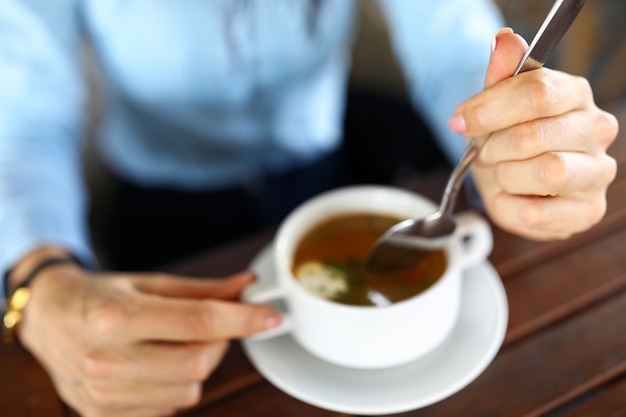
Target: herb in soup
x,y
330,262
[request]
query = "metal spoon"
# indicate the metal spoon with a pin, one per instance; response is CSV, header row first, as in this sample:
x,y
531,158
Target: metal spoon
x,y
400,246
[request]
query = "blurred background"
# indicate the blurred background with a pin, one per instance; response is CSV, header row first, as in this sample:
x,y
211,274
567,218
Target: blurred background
x,y
594,47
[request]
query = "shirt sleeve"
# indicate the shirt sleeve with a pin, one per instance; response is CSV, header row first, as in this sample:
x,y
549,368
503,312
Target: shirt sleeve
x,y
443,47
42,197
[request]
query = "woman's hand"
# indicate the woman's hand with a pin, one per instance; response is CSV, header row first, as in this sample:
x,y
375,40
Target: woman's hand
x,y
545,171
134,344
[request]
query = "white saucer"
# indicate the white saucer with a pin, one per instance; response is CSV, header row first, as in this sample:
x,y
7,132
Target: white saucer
x,y
463,356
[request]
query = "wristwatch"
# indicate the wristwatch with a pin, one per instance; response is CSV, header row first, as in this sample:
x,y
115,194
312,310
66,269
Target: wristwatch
x,y
17,299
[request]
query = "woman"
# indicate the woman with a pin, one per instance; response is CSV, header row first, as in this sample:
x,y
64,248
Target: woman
x,y
239,101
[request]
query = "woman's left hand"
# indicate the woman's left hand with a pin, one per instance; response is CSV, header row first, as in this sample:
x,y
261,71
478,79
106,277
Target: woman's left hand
x,y
545,170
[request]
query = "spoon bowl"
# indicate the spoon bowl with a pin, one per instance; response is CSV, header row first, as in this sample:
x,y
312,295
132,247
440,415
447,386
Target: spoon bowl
x,y
410,240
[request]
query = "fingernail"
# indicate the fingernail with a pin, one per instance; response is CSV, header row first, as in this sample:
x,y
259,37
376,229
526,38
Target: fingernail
x,y
502,31
273,321
457,123
248,276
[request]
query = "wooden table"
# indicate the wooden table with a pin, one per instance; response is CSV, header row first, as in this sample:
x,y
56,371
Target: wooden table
x,y
564,353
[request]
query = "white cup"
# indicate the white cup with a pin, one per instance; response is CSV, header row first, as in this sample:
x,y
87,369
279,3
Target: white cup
x,y
369,337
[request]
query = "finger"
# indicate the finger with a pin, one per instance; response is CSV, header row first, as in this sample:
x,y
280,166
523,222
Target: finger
x,y
576,131
76,397
547,218
556,173
102,402
508,101
509,48
157,363
537,94
174,286
140,412
122,397
184,320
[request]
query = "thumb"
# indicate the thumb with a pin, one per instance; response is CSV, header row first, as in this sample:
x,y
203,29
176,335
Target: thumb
x,y
508,50
181,287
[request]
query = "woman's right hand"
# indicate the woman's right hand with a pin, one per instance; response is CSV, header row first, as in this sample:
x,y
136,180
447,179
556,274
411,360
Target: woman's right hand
x,y
136,345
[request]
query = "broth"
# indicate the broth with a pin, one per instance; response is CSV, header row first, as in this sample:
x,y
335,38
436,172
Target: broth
x,y
330,261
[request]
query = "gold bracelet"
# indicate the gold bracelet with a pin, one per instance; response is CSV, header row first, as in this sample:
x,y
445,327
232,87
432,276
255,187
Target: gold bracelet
x,y
17,301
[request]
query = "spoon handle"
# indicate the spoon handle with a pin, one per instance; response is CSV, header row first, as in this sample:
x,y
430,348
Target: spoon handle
x,y
548,36
550,33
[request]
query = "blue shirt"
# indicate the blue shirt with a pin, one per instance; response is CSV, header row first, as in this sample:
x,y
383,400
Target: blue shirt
x,y
200,94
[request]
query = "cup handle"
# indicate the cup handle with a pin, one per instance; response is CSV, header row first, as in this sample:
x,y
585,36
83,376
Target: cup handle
x,y
475,238
265,292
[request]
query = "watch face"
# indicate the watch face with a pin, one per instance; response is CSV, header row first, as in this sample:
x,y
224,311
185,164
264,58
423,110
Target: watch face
x,y
19,299
12,317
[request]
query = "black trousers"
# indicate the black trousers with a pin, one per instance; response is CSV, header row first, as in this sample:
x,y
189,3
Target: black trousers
x,y
148,227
